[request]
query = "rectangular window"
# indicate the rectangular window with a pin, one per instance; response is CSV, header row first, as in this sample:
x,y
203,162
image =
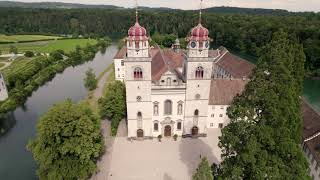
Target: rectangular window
x,y
211,124
220,125
221,107
220,115
212,115
122,63
179,109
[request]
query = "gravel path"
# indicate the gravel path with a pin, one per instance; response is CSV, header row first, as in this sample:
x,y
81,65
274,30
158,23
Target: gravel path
x,y
99,90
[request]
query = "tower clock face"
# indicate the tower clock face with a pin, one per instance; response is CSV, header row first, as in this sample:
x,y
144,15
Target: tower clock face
x,y
207,44
193,44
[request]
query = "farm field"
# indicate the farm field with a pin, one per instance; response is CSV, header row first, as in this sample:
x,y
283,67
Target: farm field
x,y
47,46
21,38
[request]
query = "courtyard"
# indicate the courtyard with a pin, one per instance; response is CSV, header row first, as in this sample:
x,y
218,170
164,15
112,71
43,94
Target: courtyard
x,y
165,160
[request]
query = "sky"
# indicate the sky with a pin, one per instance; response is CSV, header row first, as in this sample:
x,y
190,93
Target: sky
x,y
291,5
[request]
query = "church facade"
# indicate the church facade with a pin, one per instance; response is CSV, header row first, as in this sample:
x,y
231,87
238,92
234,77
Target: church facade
x,y
178,91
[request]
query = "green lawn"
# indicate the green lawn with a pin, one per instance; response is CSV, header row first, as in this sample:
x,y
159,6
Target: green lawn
x,y
66,44
48,46
19,38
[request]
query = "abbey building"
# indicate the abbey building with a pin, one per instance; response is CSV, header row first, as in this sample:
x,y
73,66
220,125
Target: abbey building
x,y
178,91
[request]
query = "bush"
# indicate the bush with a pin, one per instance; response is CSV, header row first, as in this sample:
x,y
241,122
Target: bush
x,y
28,54
90,81
56,55
13,49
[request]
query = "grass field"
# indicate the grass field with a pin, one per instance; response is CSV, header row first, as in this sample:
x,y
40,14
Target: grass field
x,y
48,46
66,44
19,38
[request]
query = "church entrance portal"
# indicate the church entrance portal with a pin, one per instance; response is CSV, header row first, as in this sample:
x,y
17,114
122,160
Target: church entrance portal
x,y
194,131
139,133
167,131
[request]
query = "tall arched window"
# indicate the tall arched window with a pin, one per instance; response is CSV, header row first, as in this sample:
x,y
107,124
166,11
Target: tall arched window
x,y
139,115
137,74
196,112
199,72
168,107
179,108
155,109
137,44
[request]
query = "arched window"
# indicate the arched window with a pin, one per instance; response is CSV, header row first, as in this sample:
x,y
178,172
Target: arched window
x,y
155,109
139,115
137,74
137,44
179,108
199,72
168,81
155,126
168,107
196,112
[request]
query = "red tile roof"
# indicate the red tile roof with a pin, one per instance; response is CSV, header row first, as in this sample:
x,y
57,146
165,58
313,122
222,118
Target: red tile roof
x,y
163,61
234,65
311,120
311,127
222,91
121,53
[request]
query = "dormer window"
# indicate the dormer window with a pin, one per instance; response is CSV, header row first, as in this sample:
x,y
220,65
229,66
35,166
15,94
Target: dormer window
x,y
137,74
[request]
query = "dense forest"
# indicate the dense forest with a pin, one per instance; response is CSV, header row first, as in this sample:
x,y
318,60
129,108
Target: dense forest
x,y
242,32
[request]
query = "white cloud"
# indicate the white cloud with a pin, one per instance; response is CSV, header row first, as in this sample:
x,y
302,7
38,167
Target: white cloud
x,y
291,5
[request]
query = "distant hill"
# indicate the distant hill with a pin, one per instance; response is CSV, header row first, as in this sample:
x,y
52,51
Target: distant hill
x,y
53,5
60,5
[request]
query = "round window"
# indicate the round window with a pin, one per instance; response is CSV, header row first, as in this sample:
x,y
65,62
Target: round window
x,y
193,44
197,96
138,98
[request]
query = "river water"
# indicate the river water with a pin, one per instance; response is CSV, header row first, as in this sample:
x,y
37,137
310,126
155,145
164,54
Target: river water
x,y
16,163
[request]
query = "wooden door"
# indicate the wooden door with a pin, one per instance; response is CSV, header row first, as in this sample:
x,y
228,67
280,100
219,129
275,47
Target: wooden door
x,y
167,130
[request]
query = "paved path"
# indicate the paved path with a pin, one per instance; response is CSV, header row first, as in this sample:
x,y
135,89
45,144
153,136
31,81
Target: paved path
x,y
99,90
103,164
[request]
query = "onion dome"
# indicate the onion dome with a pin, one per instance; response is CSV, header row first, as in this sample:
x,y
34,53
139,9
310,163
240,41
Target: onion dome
x,y
199,33
137,33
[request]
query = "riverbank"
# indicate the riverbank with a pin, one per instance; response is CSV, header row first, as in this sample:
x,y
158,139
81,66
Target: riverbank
x,y
18,163
22,83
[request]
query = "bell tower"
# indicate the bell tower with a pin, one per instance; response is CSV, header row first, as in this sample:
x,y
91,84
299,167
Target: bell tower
x,y
137,40
199,71
138,81
198,41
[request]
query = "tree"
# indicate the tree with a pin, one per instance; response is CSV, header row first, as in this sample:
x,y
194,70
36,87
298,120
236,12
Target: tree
x,y
13,49
262,140
203,171
90,81
28,54
113,104
68,142
57,55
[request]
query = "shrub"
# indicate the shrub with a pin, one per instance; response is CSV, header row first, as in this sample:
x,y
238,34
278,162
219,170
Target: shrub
x,y
28,54
90,81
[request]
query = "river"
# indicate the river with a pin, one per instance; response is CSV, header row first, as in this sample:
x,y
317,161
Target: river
x,y
15,161
311,92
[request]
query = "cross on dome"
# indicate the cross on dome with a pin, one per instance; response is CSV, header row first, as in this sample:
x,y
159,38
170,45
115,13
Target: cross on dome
x,y
137,32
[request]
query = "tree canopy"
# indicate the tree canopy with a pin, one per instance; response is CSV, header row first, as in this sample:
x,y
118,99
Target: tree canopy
x,y
203,171
68,142
113,104
263,138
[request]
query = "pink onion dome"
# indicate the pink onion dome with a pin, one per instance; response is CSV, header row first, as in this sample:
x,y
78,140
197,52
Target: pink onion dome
x,y
199,33
137,32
